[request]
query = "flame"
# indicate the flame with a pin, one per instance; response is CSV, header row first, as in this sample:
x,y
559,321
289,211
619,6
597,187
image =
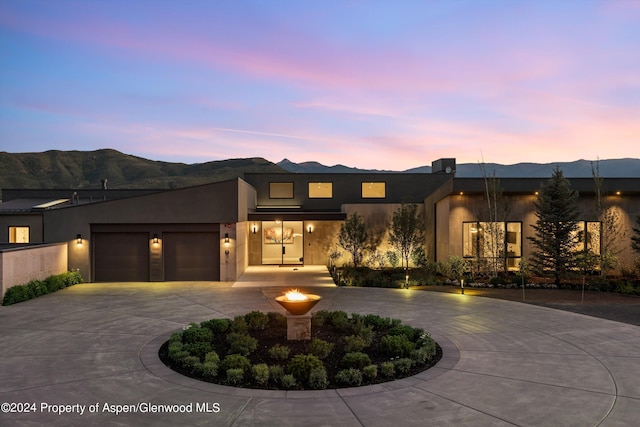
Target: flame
x,y
295,295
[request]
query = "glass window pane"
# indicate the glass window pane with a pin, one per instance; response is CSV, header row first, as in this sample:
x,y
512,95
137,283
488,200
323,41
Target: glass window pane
x,y
281,190
320,190
469,239
592,237
373,190
18,234
514,239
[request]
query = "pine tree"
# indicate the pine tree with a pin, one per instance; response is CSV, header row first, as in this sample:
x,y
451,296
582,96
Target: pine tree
x,y
556,228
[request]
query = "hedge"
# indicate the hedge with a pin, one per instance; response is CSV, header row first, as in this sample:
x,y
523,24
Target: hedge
x,y
36,288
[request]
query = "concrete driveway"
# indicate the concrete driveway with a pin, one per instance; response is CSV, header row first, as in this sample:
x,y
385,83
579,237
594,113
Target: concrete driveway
x,y
93,348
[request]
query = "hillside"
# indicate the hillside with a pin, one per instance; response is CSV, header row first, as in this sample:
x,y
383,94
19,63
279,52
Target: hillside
x,y
86,169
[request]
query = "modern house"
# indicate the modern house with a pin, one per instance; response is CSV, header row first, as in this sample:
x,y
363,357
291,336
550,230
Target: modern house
x,y
213,232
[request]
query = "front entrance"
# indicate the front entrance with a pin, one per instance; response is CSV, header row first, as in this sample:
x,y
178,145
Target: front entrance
x,y
282,242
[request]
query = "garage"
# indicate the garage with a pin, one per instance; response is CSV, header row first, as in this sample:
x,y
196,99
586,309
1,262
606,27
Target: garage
x,y
191,256
121,257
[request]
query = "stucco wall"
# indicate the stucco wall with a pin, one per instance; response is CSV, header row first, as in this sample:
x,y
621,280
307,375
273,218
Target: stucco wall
x,y
20,265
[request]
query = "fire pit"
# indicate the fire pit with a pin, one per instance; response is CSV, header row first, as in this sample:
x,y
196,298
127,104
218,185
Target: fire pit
x,y
298,305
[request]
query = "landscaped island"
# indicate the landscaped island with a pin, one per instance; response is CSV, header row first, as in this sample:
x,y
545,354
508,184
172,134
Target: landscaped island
x,y
344,351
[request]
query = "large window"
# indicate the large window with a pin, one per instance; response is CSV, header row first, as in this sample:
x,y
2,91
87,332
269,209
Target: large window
x,y
281,190
18,234
490,241
320,190
588,237
373,190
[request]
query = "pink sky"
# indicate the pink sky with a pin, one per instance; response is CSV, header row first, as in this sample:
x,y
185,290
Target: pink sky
x,y
375,85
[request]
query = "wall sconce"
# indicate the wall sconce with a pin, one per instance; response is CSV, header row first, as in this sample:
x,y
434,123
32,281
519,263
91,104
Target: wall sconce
x,y
226,239
254,228
155,239
79,239
310,229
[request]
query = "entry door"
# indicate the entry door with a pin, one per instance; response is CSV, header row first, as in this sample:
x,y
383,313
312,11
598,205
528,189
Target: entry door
x,y
282,242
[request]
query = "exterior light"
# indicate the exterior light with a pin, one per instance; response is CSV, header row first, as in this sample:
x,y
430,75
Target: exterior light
x,y
461,193
155,239
536,193
617,193
226,239
310,229
462,286
79,239
254,229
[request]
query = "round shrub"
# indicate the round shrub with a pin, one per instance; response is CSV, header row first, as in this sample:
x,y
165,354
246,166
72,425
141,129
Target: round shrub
x,y
239,325
408,331
217,326
235,376
351,377
318,379
319,348
396,345
260,373
302,364
288,381
276,372
241,343
354,343
277,320
370,372
195,333
402,365
198,349
387,369
256,320
235,361
212,357
279,352
356,360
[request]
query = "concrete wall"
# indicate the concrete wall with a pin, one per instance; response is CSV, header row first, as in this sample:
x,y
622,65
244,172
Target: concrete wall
x,y
20,265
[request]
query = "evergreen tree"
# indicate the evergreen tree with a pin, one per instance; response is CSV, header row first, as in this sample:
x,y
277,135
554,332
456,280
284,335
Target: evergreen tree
x,y
556,228
635,239
407,231
353,237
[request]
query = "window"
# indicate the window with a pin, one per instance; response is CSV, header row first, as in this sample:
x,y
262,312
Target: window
x,y
493,240
373,190
320,190
18,234
281,190
588,237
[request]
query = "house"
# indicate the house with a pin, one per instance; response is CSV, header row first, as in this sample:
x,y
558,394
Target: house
x,y
212,232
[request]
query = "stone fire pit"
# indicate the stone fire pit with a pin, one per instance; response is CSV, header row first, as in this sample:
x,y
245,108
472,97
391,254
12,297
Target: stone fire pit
x,y
298,305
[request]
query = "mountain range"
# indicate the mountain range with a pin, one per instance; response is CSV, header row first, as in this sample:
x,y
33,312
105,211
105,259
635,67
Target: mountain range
x,y
86,169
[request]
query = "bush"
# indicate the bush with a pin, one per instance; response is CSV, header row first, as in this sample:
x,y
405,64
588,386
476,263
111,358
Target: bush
x,y
318,379
209,370
402,365
235,361
301,366
354,343
351,377
217,326
256,320
319,348
339,320
235,376
388,369
370,372
396,345
241,343
198,349
288,381
260,373
279,352
355,360
239,325
195,333
36,288
276,372
410,332
212,357
278,320
376,321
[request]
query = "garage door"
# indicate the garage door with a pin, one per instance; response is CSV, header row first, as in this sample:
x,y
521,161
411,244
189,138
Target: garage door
x,y
191,256
121,257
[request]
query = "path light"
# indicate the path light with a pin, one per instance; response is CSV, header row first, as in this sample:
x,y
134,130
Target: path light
x,y
462,286
298,305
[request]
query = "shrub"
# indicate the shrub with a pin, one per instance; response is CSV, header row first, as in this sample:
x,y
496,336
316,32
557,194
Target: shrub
x,y
319,348
339,320
235,376
408,331
260,373
235,361
209,370
376,321
239,325
217,326
387,369
279,352
256,320
241,343
354,343
198,349
16,294
396,345
318,379
190,362
278,320
195,333
402,365
276,372
356,360
370,372
351,377
288,381
55,283
36,288
301,365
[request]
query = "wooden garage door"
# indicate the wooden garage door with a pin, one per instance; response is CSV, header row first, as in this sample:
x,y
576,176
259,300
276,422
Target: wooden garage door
x,y
191,256
121,257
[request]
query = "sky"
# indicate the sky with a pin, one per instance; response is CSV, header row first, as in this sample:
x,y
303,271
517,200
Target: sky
x,y
388,85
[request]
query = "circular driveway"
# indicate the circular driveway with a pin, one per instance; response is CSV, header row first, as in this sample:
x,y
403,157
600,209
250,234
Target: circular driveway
x,y
87,355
